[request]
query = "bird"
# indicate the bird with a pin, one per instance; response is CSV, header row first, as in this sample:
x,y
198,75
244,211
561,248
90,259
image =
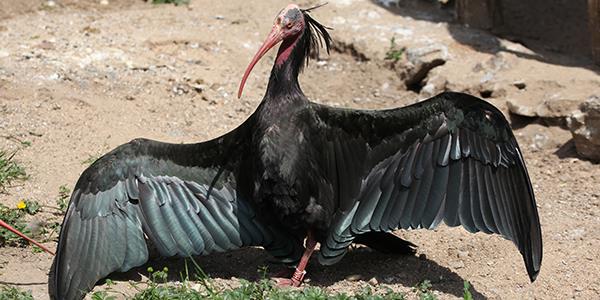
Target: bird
x,y
296,174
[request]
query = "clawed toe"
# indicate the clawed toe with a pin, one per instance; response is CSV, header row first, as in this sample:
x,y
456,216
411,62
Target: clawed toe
x,y
286,282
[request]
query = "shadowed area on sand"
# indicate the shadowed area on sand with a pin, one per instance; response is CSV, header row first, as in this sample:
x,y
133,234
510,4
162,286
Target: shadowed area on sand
x,y
482,41
360,262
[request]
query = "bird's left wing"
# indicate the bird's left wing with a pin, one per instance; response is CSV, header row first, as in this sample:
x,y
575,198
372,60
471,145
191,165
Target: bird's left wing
x,y
182,199
451,158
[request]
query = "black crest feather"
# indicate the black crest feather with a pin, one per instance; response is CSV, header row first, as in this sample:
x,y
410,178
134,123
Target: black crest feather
x,y
316,35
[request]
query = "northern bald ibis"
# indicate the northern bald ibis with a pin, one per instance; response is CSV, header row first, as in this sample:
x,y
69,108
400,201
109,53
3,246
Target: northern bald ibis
x,y
297,169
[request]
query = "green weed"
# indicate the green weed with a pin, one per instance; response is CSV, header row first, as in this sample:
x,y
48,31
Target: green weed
x,y
13,293
467,291
62,202
394,53
14,217
423,291
10,170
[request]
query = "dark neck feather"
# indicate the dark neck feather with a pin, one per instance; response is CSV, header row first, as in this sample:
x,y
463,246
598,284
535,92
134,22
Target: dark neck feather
x,y
283,83
284,75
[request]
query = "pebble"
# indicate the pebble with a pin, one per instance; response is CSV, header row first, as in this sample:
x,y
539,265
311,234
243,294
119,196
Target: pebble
x,y
520,84
577,233
459,264
354,277
373,281
104,2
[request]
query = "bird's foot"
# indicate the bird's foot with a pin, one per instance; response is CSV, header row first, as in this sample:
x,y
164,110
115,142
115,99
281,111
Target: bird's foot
x,y
294,281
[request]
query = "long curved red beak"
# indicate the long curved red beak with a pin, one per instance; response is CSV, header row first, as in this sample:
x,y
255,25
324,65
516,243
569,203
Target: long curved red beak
x,y
274,37
3,224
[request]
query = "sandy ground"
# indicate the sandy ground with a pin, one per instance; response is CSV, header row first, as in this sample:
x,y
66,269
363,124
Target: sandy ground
x,y
79,78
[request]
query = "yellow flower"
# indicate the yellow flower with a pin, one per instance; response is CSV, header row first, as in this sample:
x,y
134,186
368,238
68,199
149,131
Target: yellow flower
x,y
21,205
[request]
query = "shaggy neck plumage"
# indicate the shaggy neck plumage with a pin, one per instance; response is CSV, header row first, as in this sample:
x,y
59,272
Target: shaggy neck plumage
x,y
284,75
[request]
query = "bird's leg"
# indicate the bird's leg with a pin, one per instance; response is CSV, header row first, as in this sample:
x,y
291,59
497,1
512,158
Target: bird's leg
x,y
3,224
299,273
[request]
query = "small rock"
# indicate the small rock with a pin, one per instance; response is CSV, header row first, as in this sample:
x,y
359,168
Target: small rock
x,y
576,234
585,128
462,254
459,264
498,62
551,108
354,277
435,85
373,281
50,3
491,90
540,141
46,45
104,2
54,76
4,53
520,84
180,89
557,108
198,87
421,61
521,110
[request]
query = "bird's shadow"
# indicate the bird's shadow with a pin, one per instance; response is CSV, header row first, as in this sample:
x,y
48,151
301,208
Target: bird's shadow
x,y
359,263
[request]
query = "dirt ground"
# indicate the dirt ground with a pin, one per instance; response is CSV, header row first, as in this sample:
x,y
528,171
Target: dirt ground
x,y
78,78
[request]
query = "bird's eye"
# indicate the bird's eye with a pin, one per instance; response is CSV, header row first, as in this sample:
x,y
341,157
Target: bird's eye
x,y
289,25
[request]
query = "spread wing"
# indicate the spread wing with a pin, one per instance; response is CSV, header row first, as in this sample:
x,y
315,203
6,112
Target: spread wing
x,y
182,199
451,158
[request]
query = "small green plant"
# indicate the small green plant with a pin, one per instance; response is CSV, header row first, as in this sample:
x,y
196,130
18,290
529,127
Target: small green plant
x,y
62,202
10,170
31,207
423,291
394,53
106,294
264,289
176,2
467,291
13,293
103,295
14,217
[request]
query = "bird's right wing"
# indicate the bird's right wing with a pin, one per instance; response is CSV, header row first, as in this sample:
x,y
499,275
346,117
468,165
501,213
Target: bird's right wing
x,y
182,199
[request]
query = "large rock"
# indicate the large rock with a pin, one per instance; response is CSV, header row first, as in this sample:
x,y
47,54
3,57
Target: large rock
x,y
414,69
585,127
548,108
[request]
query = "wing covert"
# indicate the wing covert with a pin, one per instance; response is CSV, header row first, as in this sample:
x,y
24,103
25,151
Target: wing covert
x,y
451,158
183,199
